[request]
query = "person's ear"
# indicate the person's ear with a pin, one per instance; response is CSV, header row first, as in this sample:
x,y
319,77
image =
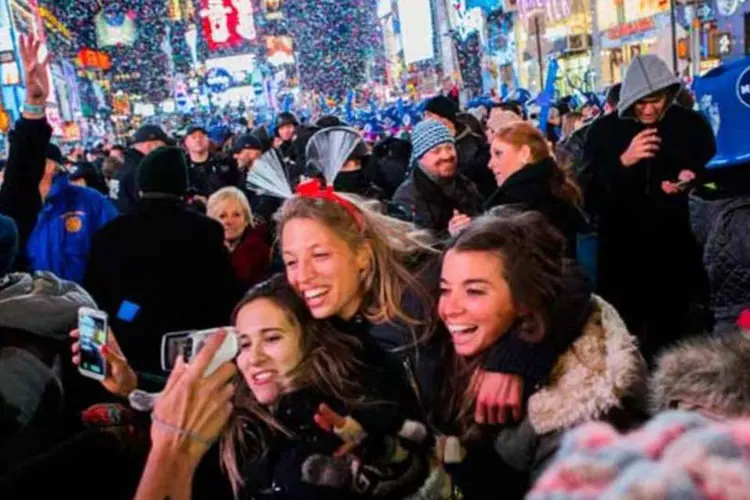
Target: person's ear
x,y
365,258
525,154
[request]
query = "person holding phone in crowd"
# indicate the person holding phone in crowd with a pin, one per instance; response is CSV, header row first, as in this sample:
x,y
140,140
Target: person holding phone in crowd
x,y
642,164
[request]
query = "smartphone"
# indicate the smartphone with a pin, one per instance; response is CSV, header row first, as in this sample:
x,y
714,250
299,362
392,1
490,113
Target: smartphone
x,y
92,327
174,345
189,343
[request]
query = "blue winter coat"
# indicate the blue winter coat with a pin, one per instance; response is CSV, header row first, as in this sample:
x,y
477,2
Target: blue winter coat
x,y
61,239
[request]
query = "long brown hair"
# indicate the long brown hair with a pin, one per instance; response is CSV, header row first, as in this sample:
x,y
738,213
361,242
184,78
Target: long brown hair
x,y
521,134
534,265
329,363
391,243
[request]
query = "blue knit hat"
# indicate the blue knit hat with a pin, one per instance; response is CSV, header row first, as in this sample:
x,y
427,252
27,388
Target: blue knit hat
x,y
8,244
429,134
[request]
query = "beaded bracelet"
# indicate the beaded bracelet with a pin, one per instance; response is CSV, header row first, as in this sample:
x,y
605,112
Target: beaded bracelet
x,y
180,431
33,109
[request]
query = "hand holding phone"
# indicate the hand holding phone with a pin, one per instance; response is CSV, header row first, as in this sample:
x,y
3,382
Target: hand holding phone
x,y
189,343
92,329
119,378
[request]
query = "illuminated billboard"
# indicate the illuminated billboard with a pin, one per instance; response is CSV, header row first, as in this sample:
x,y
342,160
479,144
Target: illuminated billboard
x,y
115,27
227,23
280,50
417,30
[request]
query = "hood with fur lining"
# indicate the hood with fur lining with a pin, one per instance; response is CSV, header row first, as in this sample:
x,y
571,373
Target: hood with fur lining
x,y
592,377
708,374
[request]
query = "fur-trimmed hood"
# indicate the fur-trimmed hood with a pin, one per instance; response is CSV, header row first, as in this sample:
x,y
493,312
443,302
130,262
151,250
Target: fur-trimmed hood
x,y
709,374
592,378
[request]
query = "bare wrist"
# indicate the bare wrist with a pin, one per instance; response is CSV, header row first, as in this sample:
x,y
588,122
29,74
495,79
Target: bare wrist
x,y
174,454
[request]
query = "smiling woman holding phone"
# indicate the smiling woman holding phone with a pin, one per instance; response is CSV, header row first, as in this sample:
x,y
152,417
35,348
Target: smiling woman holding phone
x,y
286,413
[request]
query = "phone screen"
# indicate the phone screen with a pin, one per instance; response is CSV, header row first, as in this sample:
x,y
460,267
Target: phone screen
x,y
175,345
93,331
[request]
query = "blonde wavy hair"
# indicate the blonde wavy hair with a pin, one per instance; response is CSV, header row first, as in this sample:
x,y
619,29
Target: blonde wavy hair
x,y
229,193
391,244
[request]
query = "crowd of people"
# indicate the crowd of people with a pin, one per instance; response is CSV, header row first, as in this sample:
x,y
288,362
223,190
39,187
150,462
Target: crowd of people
x,y
421,319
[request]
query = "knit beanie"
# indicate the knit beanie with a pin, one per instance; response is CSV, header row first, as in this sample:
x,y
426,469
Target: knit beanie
x,y
8,244
676,455
429,134
165,171
444,107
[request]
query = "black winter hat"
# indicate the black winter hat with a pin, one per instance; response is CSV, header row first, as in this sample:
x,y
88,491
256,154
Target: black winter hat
x,y
165,171
286,118
329,121
443,106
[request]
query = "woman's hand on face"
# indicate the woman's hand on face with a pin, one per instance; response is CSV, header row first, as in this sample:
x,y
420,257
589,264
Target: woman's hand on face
x,y
121,380
192,410
458,223
500,398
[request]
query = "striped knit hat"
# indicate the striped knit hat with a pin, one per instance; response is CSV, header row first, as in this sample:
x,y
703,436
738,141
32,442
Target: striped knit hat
x,y
676,455
428,134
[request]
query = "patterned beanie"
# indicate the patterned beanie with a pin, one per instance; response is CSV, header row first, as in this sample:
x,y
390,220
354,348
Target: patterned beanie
x,y
428,134
676,455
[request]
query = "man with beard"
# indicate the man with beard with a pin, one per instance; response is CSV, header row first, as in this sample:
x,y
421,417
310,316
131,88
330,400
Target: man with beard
x,y
435,191
472,150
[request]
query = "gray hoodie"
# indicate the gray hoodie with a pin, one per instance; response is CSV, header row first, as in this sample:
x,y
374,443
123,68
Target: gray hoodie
x,y
41,304
646,75
44,305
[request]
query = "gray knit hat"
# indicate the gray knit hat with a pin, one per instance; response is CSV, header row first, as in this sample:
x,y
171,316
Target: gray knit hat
x,y
429,134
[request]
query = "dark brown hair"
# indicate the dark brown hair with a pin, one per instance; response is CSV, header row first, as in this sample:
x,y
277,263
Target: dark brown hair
x,y
329,363
525,134
534,265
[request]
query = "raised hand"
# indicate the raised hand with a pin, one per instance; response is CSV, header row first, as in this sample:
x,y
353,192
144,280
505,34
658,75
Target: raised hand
x,y
35,72
193,410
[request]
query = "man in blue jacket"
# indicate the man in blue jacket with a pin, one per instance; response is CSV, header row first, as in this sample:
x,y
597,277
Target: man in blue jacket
x,y
70,215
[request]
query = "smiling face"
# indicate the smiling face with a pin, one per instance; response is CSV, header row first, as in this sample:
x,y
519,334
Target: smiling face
x,y
507,159
441,161
475,304
232,218
270,348
322,268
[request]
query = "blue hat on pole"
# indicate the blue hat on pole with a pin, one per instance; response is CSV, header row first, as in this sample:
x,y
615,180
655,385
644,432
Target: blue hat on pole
x,y
723,95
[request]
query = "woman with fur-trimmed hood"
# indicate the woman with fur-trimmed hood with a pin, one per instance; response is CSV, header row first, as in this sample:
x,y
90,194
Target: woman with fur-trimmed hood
x,y
509,293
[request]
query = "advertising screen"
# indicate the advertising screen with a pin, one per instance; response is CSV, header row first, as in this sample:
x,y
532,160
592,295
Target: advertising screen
x,y
417,34
280,50
114,27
